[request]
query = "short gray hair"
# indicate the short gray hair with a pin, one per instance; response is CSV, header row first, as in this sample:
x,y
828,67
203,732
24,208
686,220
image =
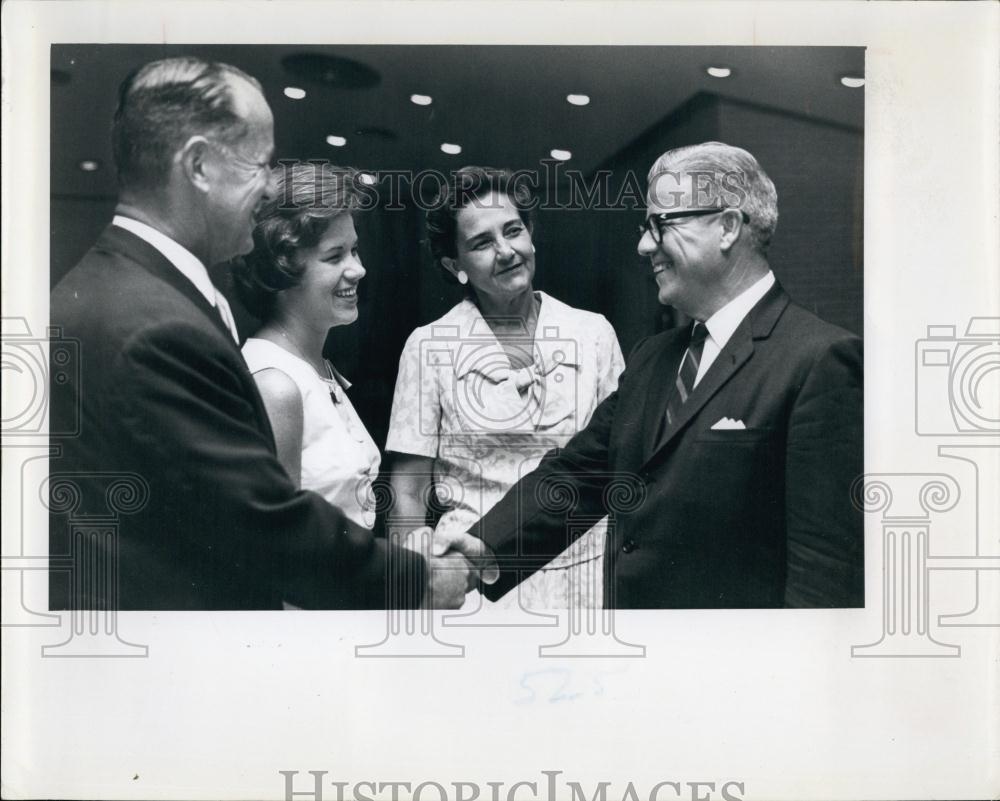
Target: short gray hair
x,y
161,105
732,177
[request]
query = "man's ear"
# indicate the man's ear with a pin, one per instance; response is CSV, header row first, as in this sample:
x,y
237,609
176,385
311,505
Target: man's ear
x,y
732,224
194,162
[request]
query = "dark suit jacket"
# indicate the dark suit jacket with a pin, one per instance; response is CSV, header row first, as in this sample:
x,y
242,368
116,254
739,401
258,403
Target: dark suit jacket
x,y
166,404
760,517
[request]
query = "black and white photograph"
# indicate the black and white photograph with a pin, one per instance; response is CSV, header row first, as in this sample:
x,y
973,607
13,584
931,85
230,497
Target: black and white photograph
x,y
502,400
486,308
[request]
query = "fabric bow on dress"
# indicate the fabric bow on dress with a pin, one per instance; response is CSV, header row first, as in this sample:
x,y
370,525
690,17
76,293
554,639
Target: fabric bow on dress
x,y
500,399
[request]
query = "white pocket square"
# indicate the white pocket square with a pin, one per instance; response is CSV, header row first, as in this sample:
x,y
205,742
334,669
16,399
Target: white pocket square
x,y
728,424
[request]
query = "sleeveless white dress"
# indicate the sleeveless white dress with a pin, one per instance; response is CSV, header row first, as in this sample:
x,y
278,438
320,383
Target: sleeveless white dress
x,y
339,458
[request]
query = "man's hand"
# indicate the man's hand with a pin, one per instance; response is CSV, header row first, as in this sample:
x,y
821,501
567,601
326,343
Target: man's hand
x,y
472,548
454,563
449,578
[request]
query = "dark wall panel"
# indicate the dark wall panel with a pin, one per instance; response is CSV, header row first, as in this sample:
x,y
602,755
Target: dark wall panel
x,y
818,169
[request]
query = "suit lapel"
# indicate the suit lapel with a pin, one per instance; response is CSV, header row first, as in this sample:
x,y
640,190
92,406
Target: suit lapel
x,y
737,352
136,249
124,243
732,357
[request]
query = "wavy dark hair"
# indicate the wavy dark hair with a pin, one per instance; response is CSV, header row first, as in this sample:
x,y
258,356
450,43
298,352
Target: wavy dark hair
x,y
466,186
308,197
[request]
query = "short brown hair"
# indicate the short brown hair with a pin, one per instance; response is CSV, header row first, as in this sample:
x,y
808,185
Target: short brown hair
x,y
467,185
308,196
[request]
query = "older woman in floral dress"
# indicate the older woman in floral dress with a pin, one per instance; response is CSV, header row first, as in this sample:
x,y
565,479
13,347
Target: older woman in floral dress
x,y
505,376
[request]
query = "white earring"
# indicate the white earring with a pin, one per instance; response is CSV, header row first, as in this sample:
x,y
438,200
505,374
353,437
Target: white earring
x,y
462,277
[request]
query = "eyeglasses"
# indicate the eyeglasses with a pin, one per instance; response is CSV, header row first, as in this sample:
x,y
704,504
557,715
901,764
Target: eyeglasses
x,y
656,223
240,161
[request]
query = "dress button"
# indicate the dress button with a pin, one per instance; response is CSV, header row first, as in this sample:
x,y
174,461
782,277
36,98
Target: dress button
x,y
628,546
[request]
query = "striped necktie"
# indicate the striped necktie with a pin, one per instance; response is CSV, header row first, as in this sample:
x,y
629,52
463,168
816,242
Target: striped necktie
x,y
684,382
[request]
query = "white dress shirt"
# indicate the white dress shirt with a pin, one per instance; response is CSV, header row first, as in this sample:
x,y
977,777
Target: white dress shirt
x,y
726,320
187,264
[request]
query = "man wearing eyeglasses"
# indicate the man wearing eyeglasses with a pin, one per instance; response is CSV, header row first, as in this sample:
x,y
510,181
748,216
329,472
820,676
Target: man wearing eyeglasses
x,y
744,427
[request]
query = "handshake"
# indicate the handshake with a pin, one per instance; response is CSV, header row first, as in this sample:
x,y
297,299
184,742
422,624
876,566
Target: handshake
x,y
456,563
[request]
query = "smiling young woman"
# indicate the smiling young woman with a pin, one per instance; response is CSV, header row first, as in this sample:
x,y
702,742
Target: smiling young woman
x,y
301,280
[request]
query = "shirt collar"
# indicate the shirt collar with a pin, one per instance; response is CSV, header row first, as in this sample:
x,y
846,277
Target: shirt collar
x,y
184,260
557,340
726,320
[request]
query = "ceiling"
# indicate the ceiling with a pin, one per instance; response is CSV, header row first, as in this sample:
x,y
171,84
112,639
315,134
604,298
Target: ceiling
x,y
505,105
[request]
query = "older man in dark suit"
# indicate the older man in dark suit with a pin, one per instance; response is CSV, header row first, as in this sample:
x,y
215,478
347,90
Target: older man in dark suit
x,y
165,396
744,428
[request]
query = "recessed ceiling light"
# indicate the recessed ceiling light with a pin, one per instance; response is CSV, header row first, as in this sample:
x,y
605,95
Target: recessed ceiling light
x,y
578,100
367,179
852,81
336,141
450,149
294,92
89,165
421,100
561,155
719,72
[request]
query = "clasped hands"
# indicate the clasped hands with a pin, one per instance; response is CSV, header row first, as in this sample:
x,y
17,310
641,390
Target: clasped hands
x,y
456,563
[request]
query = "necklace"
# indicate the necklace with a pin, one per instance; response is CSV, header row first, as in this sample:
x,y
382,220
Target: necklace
x,y
298,352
